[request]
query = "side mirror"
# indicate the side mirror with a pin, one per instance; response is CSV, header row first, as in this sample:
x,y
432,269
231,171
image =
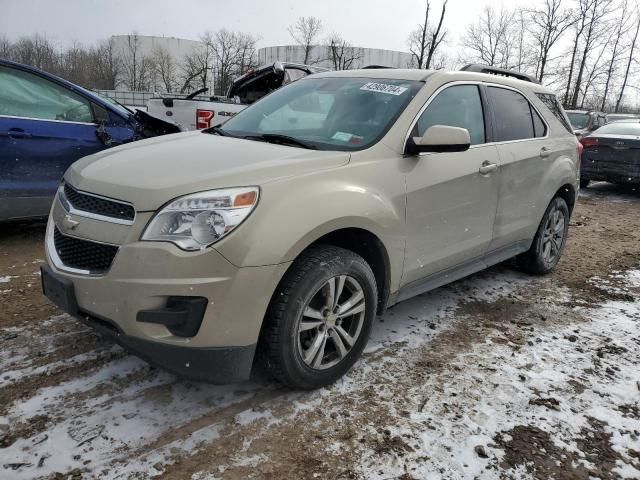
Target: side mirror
x,y
103,135
440,138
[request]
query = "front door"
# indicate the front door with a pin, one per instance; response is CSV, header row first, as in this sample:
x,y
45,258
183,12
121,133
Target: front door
x,y
44,128
451,197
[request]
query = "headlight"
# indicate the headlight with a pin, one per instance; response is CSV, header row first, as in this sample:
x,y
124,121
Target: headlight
x,y
196,221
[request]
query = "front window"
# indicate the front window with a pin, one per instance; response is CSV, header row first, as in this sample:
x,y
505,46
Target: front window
x,y
578,120
23,94
457,106
326,113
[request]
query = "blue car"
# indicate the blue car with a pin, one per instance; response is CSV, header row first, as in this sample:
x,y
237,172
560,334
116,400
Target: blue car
x,y
46,124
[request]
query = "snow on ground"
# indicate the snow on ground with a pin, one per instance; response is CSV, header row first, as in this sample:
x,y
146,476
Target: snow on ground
x,y
465,420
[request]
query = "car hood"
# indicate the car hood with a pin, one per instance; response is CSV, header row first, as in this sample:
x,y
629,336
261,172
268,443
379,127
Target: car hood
x,y
151,172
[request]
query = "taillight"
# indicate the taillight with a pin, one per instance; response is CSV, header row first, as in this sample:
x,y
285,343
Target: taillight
x,y
203,118
588,142
580,148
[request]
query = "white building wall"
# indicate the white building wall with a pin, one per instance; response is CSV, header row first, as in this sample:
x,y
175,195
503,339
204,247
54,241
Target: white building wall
x,y
178,48
320,56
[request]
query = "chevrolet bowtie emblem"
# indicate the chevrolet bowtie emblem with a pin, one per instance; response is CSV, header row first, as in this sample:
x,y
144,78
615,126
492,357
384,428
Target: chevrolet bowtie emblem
x,y
70,223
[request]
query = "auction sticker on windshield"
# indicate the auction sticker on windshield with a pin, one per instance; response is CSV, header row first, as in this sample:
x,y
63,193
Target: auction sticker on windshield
x,y
383,88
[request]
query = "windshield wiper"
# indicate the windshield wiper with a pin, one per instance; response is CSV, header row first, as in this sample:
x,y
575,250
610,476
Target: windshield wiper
x,y
218,131
281,140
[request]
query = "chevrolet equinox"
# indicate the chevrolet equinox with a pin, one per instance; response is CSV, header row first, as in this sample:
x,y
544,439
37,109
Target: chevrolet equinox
x,y
287,229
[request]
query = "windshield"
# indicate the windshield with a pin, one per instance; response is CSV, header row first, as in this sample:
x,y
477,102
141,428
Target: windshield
x,y
122,110
578,120
620,128
326,113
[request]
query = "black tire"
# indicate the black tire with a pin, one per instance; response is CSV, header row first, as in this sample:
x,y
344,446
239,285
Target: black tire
x,y
534,261
304,280
584,182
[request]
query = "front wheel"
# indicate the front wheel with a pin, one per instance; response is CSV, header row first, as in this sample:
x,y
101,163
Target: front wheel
x,y
320,317
550,239
584,182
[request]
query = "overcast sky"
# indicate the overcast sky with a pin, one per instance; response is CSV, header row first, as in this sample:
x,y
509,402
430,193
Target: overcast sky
x,y
366,23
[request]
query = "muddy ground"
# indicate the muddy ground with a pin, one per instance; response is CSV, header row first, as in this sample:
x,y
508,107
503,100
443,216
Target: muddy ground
x,y
497,376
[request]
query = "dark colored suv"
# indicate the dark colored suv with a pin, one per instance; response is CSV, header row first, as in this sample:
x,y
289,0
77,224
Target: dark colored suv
x,y
584,122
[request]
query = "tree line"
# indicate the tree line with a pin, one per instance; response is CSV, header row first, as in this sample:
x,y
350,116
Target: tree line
x,y
584,49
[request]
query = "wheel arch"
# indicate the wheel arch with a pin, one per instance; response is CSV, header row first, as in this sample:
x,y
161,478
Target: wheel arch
x,y
568,193
371,249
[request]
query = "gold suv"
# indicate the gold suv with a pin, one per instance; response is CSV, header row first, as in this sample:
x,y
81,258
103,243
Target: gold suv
x,y
288,228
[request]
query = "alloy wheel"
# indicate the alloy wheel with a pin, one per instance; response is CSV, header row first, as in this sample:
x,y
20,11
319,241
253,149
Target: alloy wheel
x,y
553,236
331,322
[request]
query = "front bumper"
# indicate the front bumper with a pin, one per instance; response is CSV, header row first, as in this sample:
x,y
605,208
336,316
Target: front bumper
x,y
145,276
215,364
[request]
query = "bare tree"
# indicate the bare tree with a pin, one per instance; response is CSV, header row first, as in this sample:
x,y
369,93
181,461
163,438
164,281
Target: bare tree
x,y
226,52
305,32
136,65
342,55
547,26
198,65
621,30
425,39
582,20
632,49
594,72
107,68
487,40
246,57
164,68
6,47
597,11
37,51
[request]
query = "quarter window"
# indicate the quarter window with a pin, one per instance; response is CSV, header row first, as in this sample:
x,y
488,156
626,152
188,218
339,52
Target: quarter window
x,y
539,127
24,94
554,106
512,115
457,106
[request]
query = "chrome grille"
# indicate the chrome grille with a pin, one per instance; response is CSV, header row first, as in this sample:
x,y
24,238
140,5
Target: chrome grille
x,y
97,205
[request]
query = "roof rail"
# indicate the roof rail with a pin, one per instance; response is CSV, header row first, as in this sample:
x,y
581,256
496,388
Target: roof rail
x,y
368,67
503,72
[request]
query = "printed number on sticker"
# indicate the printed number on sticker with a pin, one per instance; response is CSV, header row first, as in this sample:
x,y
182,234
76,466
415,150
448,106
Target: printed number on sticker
x,y
383,88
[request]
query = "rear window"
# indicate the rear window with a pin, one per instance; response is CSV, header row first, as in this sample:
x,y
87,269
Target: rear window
x,y
552,104
620,128
578,120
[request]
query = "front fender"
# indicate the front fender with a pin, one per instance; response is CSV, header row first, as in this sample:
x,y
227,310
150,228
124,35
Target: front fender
x,y
294,213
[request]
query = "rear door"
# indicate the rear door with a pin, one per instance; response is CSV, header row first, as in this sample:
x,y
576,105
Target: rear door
x,y
451,197
44,127
526,151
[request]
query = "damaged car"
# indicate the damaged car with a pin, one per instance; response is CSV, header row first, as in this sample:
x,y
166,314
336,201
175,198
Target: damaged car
x,y
196,113
46,124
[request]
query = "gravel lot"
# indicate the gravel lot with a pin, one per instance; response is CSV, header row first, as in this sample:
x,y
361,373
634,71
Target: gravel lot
x,y
497,376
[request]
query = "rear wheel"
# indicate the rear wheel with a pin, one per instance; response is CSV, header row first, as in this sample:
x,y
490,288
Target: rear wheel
x,y
584,182
320,317
550,239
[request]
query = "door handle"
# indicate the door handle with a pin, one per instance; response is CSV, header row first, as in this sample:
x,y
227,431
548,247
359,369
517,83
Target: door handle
x,y
487,167
18,133
545,152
